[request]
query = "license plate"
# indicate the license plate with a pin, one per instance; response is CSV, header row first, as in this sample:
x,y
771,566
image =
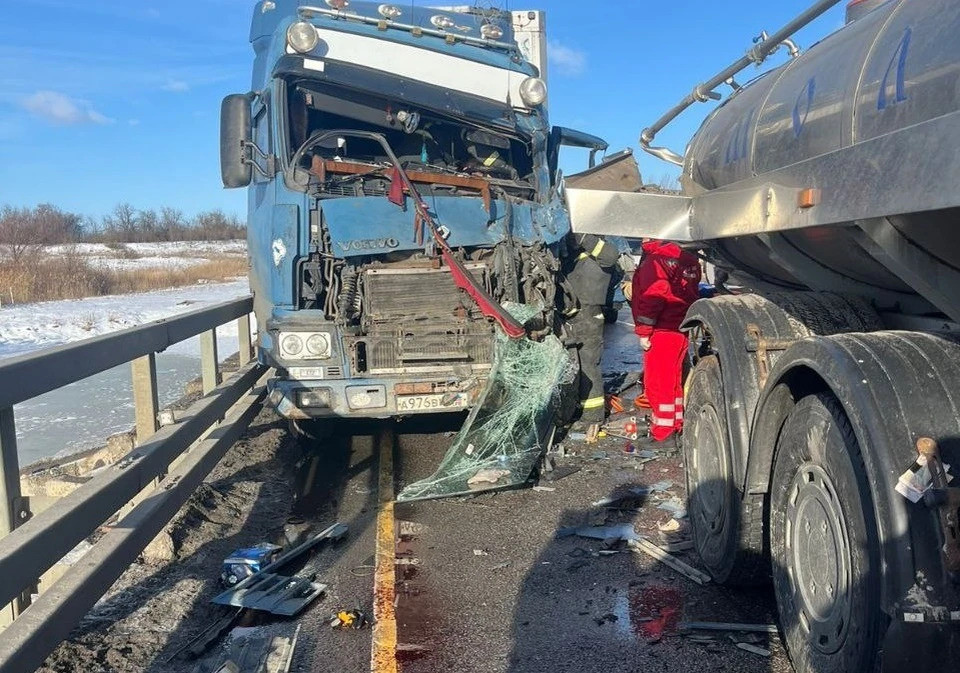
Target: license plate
x,y
427,402
305,373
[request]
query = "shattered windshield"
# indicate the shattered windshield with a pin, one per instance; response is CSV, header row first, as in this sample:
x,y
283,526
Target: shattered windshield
x,y
424,142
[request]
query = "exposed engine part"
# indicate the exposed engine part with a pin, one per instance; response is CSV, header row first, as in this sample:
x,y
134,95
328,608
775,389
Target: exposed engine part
x,y
350,301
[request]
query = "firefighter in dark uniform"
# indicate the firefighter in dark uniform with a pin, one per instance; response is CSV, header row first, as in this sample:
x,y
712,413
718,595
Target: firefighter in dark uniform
x,y
590,273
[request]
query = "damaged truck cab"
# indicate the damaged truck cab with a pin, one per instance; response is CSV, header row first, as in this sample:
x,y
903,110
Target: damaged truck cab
x,y
358,312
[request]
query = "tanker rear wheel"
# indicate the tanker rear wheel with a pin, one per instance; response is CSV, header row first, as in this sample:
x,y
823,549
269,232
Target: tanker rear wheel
x,y
824,550
727,525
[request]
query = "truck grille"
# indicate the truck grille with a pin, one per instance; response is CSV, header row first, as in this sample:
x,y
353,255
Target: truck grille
x,y
416,319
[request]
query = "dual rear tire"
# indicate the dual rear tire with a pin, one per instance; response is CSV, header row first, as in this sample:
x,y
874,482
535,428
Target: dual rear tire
x,y
822,548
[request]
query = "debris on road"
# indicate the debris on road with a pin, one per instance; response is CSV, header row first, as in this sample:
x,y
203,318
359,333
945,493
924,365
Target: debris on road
x,y
544,489
676,508
278,594
246,561
652,550
349,619
726,626
671,526
480,552
487,476
753,648
623,531
626,428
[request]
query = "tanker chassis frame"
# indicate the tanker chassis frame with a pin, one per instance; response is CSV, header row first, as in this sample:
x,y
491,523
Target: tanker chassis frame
x,y
811,395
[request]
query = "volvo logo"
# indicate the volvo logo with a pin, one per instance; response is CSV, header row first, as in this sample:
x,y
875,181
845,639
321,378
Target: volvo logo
x,y
369,244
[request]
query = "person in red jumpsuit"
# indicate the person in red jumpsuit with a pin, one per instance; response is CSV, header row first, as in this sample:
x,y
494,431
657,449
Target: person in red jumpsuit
x,y
664,287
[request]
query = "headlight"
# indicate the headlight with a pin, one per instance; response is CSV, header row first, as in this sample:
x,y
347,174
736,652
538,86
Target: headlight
x,y
319,345
389,11
442,22
491,31
291,344
533,91
302,36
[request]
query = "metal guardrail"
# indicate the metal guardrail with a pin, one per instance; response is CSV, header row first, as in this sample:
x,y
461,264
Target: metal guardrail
x,y
170,457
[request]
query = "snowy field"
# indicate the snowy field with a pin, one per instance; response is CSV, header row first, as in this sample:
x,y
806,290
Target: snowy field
x,y
84,414
136,256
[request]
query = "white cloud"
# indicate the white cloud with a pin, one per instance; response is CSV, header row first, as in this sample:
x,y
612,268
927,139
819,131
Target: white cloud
x,y
134,122
60,109
566,60
176,86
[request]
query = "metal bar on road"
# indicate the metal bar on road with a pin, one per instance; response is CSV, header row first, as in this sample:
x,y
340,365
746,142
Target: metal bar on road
x,y
30,639
245,338
30,375
145,404
45,539
209,364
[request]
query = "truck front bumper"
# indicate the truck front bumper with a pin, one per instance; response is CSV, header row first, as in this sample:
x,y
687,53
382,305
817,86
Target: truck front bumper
x,y
370,397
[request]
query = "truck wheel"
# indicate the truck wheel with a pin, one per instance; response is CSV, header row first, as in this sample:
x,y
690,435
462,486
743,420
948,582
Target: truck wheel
x,y
727,526
823,542
310,431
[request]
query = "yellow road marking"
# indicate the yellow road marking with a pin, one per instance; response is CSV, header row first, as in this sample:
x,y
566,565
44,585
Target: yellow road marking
x,y
383,657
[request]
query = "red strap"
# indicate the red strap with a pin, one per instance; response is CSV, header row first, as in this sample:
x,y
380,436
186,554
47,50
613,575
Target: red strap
x,y
488,306
395,195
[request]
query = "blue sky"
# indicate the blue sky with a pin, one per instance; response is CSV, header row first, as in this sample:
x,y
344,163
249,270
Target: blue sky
x,y
103,101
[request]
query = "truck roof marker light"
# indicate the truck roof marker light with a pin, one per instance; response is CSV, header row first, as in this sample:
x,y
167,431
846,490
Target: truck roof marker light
x,y
389,12
443,22
533,91
302,37
268,6
491,31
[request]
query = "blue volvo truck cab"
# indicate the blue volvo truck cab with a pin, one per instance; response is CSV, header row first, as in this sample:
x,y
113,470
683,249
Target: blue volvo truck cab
x,y
358,312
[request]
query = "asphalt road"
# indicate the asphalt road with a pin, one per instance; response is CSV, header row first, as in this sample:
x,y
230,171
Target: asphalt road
x,y
483,583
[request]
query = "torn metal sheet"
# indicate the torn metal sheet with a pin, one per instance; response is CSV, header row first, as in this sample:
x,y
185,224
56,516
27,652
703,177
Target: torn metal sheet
x,y
276,594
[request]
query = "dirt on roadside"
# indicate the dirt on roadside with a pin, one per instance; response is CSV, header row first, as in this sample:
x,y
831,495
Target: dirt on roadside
x,y
163,600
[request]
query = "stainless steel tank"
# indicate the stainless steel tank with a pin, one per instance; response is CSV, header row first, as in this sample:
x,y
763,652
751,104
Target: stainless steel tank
x,y
893,66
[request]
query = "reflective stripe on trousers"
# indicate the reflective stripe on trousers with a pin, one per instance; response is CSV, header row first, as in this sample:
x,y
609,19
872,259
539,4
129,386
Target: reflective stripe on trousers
x,y
662,380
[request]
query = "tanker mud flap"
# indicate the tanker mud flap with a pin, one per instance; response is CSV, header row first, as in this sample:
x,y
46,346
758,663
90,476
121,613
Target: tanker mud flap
x,y
921,646
512,423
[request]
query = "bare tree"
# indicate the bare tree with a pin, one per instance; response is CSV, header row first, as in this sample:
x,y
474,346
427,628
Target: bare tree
x,y
15,231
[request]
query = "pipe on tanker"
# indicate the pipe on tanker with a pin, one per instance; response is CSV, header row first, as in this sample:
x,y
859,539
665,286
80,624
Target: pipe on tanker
x,y
756,54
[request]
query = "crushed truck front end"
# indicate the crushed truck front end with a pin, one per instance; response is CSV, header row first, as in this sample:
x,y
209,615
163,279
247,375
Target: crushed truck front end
x,y
360,316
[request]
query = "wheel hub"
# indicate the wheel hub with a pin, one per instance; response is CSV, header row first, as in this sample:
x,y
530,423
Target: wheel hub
x,y
710,499
818,549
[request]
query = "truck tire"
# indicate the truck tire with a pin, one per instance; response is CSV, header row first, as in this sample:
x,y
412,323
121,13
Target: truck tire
x,y
310,432
824,544
727,526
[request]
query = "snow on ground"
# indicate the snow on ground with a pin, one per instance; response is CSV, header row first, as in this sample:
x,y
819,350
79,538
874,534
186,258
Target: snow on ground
x,y
27,327
138,256
83,414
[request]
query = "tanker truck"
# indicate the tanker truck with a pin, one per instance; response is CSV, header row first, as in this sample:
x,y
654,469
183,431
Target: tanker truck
x,y
403,183
823,404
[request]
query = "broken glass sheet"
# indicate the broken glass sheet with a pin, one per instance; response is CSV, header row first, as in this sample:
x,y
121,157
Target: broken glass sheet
x,y
512,422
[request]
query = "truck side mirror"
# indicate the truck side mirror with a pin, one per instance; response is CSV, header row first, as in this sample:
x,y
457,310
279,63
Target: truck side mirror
x,y
236,132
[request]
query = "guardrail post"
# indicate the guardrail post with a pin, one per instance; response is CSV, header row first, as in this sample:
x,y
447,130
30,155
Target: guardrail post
x,y
246,340
210,366
145,405
12,506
